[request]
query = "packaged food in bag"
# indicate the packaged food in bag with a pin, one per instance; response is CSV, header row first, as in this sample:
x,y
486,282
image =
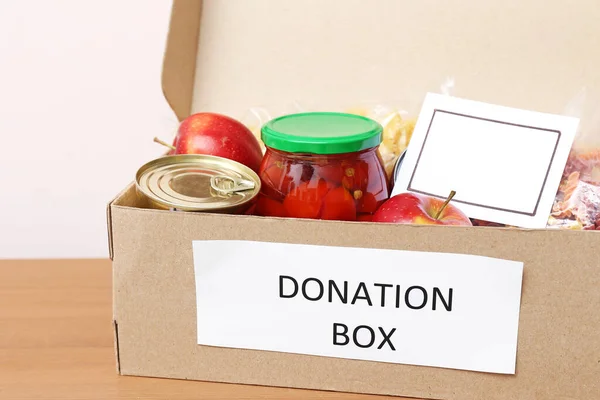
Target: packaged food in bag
x,y
577,203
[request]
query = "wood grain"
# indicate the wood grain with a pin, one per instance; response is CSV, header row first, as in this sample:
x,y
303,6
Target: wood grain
x,y
56,341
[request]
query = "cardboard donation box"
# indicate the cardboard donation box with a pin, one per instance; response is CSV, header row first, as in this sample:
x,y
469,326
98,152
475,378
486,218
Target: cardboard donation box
x,y
425,311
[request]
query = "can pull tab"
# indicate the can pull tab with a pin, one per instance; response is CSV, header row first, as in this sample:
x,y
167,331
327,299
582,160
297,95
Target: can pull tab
x,y
228,184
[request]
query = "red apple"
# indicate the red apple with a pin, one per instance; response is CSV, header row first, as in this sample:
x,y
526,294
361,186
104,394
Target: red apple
x,y
412,208
217,135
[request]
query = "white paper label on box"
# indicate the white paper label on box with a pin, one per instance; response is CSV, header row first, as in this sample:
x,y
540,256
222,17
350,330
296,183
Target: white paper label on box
x,y
505,164
430,309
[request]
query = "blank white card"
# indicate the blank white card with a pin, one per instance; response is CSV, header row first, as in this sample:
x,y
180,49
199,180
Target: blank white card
x,y
505,164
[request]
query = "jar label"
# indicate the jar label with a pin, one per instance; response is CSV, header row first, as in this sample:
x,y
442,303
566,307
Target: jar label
x,y
421,308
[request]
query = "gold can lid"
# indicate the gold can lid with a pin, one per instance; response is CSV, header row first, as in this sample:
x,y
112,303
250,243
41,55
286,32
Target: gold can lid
x,y
197,182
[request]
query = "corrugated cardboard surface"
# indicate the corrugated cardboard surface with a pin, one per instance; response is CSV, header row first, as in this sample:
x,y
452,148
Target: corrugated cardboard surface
x,y
154,294
530,54
533,54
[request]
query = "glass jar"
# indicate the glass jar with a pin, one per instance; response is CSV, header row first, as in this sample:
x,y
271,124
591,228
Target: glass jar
x,y
322,166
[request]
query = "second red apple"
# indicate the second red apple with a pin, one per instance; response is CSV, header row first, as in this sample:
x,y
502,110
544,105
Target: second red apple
x,y
413,208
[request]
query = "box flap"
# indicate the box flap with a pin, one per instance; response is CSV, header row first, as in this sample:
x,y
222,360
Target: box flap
x,y
337,53
109,231
179,62
130,196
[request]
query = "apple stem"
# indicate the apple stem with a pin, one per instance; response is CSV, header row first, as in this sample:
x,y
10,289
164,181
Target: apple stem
x,y
157,140
441,210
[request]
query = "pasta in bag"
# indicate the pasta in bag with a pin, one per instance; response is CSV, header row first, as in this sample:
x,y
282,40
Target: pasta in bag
x,y
397,132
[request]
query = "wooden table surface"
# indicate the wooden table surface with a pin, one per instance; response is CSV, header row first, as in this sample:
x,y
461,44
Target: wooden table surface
x,y
56,341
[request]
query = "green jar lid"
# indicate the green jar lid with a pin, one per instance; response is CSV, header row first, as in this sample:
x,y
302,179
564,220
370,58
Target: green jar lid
x,y
321,133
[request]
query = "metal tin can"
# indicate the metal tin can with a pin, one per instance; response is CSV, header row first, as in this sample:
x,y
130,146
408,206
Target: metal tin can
x,y
198,182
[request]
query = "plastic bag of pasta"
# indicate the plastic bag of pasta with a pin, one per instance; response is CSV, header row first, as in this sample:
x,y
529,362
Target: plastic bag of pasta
x,y
577,203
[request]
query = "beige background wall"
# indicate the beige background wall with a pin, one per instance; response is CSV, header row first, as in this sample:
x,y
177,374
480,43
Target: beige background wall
x,y
80,101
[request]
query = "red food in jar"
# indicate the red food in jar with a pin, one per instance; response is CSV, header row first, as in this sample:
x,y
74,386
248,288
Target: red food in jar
x,y
305,200
339,204
330,169
276,181
323,165
366,202
356,176
269,207
365,218
251,210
